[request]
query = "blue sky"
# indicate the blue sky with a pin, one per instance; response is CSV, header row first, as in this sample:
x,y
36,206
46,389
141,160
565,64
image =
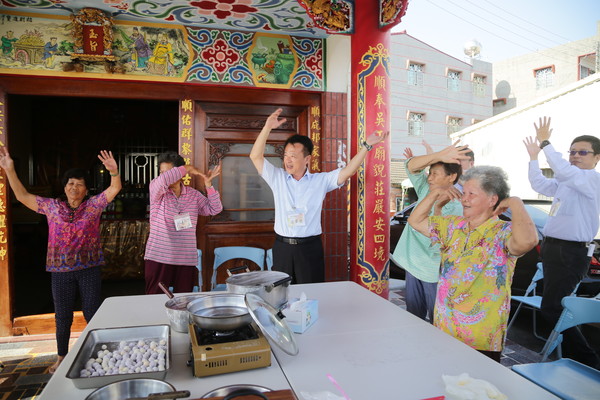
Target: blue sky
x,y
505,28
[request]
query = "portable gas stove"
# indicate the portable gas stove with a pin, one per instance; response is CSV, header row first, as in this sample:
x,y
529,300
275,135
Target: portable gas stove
x,y
214,352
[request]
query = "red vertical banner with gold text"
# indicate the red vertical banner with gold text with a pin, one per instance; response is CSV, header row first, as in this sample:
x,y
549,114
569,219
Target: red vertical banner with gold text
x,y
5,279
370,113
186,135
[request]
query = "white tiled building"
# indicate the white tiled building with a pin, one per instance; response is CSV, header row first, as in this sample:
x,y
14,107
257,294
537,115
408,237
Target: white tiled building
x,y
520,80
433,96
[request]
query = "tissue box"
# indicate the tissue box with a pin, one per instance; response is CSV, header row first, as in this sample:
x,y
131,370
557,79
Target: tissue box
x,y
301,319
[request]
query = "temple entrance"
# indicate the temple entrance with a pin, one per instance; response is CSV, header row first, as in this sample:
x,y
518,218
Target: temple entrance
x,y
47,136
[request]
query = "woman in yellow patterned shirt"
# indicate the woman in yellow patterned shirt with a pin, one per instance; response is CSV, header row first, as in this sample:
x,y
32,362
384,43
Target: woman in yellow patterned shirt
x,y
479,252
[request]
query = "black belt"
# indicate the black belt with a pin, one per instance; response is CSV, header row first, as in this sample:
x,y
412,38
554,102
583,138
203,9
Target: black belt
x,y
296,240
571,243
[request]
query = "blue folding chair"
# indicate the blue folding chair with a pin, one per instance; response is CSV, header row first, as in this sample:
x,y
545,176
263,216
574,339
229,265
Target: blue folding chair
x,y
566,378
532,300
269,260
576,311
224,254
199,268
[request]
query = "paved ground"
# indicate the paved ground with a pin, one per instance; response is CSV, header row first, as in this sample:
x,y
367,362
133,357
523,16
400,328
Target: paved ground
x,y
26,359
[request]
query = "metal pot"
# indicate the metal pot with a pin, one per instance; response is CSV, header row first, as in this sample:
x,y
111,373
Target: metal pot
x,y
232,389
272,286
179,317
219,312
136,388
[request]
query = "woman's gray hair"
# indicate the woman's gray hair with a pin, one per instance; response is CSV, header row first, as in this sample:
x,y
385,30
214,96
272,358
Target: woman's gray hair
x,y
493,180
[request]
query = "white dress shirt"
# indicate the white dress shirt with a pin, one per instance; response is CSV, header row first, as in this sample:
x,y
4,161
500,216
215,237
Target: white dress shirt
x,y
576,206
298,204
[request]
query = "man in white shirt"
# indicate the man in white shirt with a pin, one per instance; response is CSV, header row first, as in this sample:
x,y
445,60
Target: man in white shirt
x,y
299,195
572,224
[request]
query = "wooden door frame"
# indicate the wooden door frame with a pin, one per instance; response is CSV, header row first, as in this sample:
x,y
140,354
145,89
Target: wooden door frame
x,y
93,88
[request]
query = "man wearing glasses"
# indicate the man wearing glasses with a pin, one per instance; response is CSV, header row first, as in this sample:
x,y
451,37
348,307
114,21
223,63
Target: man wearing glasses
x,y
572,224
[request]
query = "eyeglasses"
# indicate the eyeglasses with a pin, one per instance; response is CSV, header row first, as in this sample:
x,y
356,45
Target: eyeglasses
x,y
580,152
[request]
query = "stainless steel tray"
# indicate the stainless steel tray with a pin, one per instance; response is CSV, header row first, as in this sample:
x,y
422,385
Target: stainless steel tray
x,y
111,337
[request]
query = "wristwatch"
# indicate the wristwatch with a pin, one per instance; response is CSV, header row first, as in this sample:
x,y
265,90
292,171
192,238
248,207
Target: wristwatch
x,y
366,145
544,144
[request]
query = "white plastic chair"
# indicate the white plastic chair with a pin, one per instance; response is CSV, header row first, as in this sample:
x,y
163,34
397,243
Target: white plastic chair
x,y
566,378
223,254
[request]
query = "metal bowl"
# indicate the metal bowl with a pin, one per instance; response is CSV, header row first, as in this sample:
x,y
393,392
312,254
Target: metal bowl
x,y
130,388
227,390
220,312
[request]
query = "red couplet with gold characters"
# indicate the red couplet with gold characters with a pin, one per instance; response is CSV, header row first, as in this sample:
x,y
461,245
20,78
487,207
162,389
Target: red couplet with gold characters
x,y
371,88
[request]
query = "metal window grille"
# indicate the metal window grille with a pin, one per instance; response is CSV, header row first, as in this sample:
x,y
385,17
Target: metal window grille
x,y
479,85
454,81
454,125
415,74
416,124
544,78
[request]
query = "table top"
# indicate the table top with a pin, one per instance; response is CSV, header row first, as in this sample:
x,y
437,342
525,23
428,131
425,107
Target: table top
x,y
373,349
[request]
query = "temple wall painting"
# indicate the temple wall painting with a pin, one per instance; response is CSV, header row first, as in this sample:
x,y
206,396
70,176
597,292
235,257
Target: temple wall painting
x,y
37,44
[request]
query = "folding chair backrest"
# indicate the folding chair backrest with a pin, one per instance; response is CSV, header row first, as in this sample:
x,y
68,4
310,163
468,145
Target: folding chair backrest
x,y
576,311
224,254
269,260
538,276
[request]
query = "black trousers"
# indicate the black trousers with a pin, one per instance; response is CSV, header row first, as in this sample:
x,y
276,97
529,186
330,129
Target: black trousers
x,y
65,286
565,266
305,262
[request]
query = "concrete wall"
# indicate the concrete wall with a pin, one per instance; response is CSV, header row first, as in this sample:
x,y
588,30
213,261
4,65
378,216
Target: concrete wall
x,y
433,98
499,140
514,78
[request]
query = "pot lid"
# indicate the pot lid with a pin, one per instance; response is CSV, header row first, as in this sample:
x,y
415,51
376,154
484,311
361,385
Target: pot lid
x,y
271,323
256,278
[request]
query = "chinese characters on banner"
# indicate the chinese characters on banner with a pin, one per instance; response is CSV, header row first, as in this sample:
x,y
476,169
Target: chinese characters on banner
x,y
3,194
93,39
373,176
186,132
315,136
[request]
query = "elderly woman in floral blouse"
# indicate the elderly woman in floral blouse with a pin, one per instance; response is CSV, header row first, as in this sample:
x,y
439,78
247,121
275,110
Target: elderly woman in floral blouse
x,y
74,253
479,252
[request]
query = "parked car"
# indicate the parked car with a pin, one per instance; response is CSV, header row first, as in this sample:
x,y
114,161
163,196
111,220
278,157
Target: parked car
x,y
526,264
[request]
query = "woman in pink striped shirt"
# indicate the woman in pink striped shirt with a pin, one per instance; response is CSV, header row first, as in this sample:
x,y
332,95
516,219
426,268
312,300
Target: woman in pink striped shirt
x,y
171,251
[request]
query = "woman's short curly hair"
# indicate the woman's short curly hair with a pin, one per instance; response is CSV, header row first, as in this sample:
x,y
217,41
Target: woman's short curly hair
x,y
493,180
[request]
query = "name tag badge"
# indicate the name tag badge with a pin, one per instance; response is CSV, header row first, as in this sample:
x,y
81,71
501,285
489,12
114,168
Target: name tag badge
x,y
295,218
182,221
554,209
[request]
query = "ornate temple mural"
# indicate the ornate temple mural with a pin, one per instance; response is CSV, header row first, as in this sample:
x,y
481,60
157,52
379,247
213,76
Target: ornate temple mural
x,y
282,16
46,45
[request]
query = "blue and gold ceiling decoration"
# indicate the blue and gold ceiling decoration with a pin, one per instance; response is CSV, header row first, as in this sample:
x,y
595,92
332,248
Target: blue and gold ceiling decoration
x,y
276,16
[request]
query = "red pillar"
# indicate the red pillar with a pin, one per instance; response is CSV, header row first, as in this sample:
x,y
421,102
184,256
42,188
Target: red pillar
x,y
370,105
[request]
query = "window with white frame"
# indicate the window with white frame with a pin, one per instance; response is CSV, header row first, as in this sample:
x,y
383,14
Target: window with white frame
x,y
453,81
416,122
415,74
479,85
544,77
454,125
